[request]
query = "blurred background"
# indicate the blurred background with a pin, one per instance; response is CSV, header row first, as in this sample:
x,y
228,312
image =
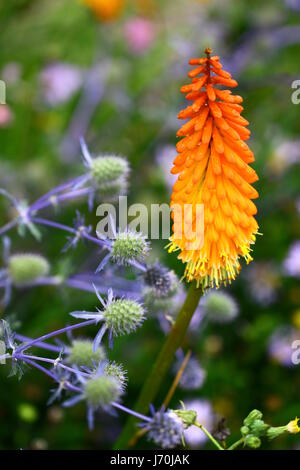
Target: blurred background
x,y
113,75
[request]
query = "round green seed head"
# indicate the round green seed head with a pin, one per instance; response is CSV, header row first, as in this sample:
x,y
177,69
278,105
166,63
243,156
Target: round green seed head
x,y
81,354
25,268
123,316
102,391
129,246
111,191
108,169
220,307
116,370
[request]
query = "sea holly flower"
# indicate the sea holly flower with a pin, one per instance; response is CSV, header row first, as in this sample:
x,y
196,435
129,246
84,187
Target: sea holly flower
x,y
119,317
22,269
118,372
193,375
63,378
81,231
161,280
108,174
127,248
22,220
165,428
99,390
213,171
81,353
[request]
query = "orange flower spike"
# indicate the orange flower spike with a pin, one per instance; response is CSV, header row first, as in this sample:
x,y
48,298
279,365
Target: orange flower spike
x,y
213,171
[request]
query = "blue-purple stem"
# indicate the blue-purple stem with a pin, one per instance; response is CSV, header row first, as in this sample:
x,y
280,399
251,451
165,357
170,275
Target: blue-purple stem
x,y
54,191
60,198
40,344
34,342
66,228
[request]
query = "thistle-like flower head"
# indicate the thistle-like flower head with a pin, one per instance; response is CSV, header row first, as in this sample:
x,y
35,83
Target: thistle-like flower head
x,y
24,268
161,280
101,391
123,316
116,371
165,429
98,389
107,173
118,316
128,247
81,353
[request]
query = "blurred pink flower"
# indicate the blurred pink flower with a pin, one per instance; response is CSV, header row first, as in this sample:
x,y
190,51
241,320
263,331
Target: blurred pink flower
x,y
287,154
139,34
291,264
263,281
6,115
11,73
59,82
280,345
193,436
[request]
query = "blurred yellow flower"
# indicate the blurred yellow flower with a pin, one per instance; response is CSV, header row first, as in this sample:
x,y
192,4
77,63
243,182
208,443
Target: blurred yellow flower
x,y
293,427
296,318
105,10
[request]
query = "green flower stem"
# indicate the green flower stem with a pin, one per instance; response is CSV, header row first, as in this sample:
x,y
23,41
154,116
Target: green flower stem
x,y
210,437
236,444
162,364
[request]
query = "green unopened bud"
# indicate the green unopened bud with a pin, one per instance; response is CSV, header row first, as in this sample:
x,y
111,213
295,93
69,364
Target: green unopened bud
x,y
245,430
252,441
81,354
274,432
110,175
116,371
129,246
102,391
123,316
26,268
220,307
252,416
259,427
188,417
